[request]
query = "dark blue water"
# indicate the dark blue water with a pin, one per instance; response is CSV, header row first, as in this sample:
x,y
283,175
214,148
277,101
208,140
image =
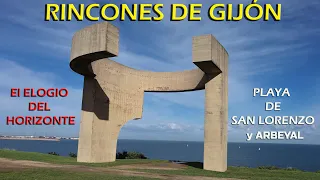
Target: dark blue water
x,y
304,157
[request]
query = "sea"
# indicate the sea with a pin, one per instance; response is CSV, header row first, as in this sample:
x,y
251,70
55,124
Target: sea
x,y
304,157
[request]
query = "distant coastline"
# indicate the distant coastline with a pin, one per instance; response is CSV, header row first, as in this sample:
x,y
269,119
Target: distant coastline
x,y
31,139
37,138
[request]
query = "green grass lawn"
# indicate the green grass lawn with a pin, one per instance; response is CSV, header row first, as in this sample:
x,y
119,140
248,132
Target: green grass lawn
x,y
243,173
32,156
193,169
48,174
55,174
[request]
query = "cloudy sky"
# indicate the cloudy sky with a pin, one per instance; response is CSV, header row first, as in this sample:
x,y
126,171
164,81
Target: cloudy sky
x,y
35,53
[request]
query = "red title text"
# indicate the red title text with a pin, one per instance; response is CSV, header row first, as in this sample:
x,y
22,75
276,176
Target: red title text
x,y
39,106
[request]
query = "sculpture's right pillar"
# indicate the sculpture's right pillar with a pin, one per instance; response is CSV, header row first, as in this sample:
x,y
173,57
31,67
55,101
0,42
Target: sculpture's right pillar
x,y
211,57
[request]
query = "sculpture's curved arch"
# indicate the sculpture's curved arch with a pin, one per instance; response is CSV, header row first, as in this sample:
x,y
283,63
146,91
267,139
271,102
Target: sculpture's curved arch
x,y
181,81
113,93
101,41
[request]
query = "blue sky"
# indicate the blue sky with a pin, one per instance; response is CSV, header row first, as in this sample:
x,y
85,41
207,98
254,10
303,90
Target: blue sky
x,y
35,53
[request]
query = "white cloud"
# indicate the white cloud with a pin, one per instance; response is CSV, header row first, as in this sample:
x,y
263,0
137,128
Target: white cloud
x,y
170,127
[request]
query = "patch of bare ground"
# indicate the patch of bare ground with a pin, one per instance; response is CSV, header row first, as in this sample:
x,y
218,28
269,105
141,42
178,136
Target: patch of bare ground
x,y
160,166
14,165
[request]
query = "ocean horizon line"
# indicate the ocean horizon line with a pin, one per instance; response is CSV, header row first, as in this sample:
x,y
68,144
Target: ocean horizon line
x,y
167,140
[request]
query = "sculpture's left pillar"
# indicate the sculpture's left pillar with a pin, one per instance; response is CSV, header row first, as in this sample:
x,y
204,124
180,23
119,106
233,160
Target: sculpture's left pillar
x,y
98,133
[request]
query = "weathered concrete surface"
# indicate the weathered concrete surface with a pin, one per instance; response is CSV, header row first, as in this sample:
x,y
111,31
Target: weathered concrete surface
x,y
210,56
113,93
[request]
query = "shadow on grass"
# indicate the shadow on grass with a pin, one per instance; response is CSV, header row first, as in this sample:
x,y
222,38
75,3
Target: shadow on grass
x,y
198,165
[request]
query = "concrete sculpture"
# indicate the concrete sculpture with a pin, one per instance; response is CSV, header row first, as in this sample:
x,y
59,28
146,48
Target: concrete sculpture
x,y
113,93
